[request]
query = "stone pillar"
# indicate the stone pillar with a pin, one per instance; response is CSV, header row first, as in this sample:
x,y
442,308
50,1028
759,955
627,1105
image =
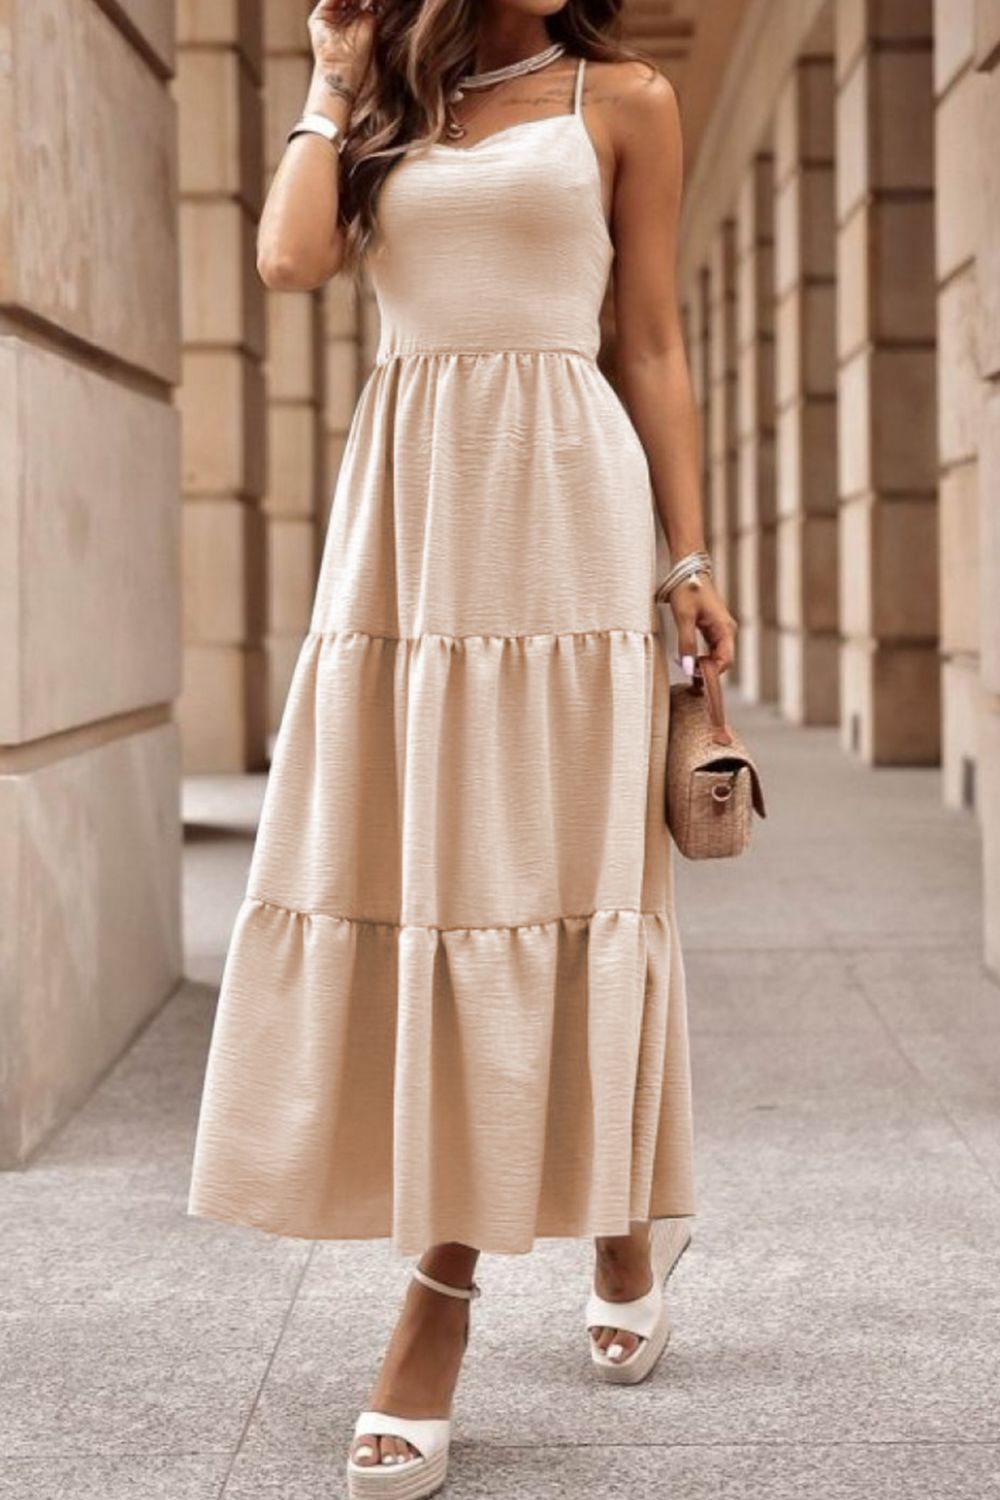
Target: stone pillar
x,y
90,556
806,390
343,363
222,709
722,438
369,326
294,380
756,540
886,325
957,90
701,378
984,183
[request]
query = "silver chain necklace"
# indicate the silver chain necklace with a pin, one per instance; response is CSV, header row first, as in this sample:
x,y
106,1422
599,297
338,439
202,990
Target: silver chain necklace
x,y
512,70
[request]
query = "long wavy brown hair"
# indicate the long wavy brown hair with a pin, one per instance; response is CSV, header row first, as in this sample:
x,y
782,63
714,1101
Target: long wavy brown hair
x,y
420,49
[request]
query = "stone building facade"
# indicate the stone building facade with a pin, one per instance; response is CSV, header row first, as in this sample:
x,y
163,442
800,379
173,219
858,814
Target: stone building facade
x,y
170,435
90,565
840,276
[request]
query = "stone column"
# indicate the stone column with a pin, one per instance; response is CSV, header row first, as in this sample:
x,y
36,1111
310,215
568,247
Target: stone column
x,y
369,325
723,451
90,557
293,503
886,323
342,359
756,541
806,390
984,182
701,379
957,91
698,317
222,709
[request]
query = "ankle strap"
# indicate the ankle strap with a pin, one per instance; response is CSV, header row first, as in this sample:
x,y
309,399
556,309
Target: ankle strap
x,y
468,1293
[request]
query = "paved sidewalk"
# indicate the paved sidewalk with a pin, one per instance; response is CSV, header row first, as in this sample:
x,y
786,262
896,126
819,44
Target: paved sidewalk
x,y
837,1319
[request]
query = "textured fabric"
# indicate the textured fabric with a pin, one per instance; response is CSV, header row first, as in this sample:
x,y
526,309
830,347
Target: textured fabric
x,y
453,1006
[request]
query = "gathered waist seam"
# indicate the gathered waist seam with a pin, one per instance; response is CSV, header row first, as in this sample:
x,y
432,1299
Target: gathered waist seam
x,y
253,900
444,350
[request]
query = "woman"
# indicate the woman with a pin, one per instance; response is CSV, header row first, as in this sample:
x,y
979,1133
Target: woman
x,y
453,1009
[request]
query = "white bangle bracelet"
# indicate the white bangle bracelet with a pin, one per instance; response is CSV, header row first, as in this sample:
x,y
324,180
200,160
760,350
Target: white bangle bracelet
x,y
317,124
688,568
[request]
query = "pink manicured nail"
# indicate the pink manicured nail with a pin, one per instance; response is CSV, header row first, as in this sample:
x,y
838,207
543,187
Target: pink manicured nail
x,y
687,662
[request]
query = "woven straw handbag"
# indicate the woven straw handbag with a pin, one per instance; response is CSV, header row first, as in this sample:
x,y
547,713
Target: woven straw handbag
x,y
713,786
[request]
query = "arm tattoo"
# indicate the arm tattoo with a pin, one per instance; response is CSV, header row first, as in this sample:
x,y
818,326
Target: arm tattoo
x,y
337,85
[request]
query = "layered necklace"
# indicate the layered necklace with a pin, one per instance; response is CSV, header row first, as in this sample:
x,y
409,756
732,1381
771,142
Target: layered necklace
x,y
469,81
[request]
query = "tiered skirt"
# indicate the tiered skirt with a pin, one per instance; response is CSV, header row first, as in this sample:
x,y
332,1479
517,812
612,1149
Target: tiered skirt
x,y
453,1005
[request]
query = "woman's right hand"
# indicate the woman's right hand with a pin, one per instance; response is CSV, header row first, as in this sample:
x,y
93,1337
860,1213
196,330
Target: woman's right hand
x,y
300,240
342,33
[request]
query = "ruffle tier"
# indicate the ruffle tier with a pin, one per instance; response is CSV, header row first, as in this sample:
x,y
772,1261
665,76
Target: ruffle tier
x,y
468,782
481,1085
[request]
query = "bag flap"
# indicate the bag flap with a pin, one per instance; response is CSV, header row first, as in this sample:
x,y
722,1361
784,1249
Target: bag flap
x,y
737,751
756,790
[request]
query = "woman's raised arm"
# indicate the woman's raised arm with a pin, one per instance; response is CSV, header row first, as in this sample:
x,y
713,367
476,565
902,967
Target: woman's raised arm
x,y
299,243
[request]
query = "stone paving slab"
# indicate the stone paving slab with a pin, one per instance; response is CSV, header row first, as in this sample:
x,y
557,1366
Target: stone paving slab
x,y
771,1342
834,1319
759,991
172,1378
150,1477
493,1471
945,990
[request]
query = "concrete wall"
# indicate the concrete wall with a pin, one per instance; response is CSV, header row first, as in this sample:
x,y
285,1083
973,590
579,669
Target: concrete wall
x,y
90,561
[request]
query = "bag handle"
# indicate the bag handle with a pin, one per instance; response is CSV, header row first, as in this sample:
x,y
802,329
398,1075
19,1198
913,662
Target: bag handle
x,y
711,684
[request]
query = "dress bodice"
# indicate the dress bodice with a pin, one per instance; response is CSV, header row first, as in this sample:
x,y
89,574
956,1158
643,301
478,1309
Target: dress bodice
x,y
502,245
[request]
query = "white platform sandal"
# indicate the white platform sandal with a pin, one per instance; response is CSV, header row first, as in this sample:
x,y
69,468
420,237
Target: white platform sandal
x,y
410,1478
648,1317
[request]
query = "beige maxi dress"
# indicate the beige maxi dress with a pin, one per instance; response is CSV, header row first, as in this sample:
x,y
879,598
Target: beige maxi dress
x,y
453,1005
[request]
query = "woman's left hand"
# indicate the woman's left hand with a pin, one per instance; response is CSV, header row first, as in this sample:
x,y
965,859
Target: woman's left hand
x,y
703,608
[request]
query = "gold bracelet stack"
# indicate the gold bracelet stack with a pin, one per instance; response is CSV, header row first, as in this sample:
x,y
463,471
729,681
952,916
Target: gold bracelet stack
x,y
687,570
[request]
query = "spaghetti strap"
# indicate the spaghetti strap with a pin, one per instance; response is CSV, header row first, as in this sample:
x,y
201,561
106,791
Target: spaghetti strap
x,y
578,91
